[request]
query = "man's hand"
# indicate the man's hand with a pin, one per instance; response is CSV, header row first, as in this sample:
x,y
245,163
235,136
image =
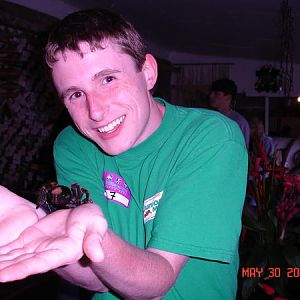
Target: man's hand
x,y
16,214
58,239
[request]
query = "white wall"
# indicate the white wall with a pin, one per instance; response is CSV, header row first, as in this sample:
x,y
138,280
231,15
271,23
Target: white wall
x,y
242,71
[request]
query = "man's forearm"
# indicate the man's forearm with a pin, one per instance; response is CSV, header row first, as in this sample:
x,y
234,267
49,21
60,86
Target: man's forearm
x,y
80,274
132,272
129,271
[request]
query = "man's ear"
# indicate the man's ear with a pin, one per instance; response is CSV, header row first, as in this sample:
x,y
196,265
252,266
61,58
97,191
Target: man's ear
x,y
150,71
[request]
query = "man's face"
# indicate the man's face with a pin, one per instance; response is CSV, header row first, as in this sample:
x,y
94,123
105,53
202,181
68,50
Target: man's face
x,y
219,100
108,99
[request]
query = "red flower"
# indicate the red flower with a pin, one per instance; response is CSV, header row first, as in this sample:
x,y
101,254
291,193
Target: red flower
x,y
261,151
269,290
288,183
257,163
286,210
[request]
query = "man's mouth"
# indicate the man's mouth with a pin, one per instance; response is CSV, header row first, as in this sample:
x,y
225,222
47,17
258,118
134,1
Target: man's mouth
x,y
110,127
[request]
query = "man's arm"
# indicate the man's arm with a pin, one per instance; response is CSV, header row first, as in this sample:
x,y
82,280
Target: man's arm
x,y
81,274
136,273
129,271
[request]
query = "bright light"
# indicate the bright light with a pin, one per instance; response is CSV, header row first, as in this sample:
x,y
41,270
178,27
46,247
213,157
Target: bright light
x,y
298,99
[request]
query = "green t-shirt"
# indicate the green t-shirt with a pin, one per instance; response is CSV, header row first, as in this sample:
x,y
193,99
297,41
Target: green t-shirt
x,y
181,190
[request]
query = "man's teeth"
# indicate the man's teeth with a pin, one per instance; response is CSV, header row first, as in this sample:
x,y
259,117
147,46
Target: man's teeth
x,y
110,126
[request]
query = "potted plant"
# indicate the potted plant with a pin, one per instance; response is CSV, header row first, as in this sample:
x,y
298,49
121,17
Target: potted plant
x,y
270,240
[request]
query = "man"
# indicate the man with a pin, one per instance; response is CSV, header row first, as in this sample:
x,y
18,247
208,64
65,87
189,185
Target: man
x,y
168,182
259,141
222,94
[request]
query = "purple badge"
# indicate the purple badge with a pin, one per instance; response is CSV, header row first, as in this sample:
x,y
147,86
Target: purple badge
x,y
116,189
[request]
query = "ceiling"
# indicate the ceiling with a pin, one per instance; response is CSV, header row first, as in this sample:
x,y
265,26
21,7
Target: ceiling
x,y
233,28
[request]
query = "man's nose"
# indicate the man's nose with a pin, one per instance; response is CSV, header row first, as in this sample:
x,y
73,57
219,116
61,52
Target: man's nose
x,y
97,107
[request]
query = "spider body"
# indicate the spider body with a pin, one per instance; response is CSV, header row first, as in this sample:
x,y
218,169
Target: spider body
x,y
52,196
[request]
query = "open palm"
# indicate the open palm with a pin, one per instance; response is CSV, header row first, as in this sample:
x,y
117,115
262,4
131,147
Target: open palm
x,y
58,239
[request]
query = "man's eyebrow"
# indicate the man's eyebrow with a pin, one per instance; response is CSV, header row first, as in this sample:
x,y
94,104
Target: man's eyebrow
x,y
102,73
105,72
68,91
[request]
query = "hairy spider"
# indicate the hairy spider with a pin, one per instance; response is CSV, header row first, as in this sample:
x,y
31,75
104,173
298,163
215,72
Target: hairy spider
x,y
53,196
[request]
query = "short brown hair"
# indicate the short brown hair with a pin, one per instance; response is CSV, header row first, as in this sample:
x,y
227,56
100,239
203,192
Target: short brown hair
x,y
94,26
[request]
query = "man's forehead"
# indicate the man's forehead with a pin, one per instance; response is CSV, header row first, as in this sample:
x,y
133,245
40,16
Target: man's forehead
x,y
85,48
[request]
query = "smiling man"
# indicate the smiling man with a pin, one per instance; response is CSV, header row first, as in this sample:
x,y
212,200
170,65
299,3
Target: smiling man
x,y
126,113
168,182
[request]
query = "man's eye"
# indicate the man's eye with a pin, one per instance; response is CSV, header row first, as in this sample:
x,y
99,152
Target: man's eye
x,y
108,79
76,95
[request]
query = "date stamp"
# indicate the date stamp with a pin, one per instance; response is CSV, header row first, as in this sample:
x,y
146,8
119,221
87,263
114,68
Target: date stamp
x,y
276,272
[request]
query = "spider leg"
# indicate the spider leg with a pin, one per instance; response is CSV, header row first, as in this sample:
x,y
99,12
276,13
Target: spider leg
x,y
42,197
87,198
76,193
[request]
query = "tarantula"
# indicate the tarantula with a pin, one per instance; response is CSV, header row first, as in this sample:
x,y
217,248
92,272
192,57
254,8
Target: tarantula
x,y
52,196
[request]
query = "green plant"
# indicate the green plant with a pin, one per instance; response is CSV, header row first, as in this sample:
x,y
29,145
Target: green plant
x,y
268,79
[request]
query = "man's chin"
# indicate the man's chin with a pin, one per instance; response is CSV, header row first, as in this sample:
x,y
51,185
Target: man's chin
x,y
113,151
